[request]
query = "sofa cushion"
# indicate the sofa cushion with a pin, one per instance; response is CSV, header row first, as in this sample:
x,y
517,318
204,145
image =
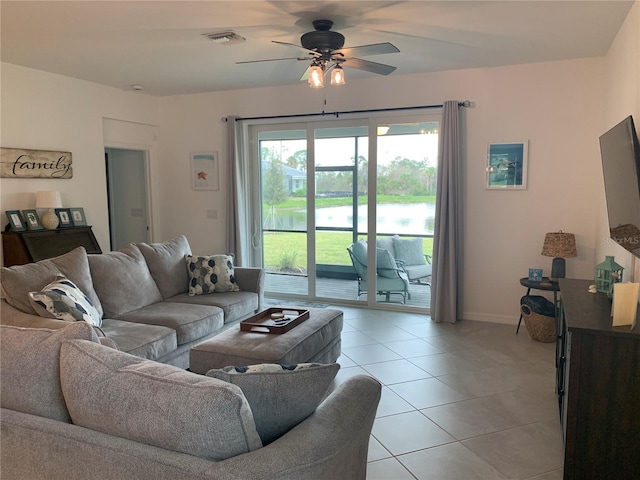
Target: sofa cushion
x,y
190,322
123,281
19,280
145,341
166,264
235,305
280,396
212,273
153,403
63,300
409,251
30,368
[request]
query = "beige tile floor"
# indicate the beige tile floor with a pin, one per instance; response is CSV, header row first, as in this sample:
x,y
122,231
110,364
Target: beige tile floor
x,y
466,401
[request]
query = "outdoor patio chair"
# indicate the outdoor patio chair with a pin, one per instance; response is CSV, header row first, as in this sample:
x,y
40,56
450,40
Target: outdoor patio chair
x,y
408,254
390,278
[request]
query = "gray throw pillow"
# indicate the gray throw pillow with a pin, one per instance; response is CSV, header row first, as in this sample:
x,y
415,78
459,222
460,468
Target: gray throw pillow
x,y
409,251
153,403
30,368
280,396
166,263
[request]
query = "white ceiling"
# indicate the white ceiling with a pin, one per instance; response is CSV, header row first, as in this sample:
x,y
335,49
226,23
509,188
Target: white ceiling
x,y
160,44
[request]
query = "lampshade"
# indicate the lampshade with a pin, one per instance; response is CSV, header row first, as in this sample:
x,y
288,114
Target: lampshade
x,y
559,244
337,76
316,76
48,200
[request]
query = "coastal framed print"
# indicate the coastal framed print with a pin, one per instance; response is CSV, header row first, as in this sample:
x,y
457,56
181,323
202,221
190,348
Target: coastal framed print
x,y
507,165
205,171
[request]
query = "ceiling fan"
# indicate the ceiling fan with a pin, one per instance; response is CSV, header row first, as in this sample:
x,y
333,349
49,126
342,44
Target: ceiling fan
x,y
325,52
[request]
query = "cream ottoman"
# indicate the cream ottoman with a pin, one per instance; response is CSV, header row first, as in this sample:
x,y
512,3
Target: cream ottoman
x,y
317,339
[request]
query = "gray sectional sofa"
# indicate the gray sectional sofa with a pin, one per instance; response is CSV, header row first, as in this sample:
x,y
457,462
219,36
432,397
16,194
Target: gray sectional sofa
x,y
141,295
75,409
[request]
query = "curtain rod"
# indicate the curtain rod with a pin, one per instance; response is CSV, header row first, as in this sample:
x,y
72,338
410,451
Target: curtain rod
x,y
466,103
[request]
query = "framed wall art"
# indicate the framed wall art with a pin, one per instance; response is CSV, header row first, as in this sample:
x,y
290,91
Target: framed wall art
x,y
77,217
205,171
507,165
64,215
32,220
16,221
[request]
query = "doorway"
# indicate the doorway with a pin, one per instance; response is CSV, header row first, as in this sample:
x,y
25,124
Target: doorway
x,y
127,196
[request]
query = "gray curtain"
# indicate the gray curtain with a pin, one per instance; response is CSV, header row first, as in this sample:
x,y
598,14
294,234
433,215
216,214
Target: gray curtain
x,y
446,289
243,228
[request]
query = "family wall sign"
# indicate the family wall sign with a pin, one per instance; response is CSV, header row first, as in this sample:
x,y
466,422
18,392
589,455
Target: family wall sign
x,y
21,163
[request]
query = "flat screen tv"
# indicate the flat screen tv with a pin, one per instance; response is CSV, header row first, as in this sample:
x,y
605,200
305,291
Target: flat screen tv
x,y
620,152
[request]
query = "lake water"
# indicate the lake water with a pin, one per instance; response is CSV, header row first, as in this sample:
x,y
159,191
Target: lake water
x,y
411,219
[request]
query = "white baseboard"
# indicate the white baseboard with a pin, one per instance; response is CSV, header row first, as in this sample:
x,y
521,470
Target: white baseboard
x,y
484,317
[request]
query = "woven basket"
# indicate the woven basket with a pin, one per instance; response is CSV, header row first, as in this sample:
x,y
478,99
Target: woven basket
x,y
540,327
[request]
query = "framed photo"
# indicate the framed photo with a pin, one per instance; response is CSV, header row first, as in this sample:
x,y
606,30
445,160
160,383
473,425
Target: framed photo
x,y
16,220
32,220
535,274
507,166
77,217
205,171
64,215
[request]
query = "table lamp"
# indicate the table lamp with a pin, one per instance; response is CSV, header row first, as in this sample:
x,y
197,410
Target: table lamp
x,y
49,200
559,245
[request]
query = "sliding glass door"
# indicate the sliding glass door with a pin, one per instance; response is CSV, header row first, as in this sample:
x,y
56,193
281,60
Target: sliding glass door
x,y
328,185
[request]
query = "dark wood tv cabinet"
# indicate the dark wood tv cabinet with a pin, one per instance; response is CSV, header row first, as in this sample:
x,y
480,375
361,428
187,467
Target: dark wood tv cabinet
x,y
19,248
598,369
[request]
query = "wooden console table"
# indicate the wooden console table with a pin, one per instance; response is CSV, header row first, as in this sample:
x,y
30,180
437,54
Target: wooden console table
x,y
598,369
19,248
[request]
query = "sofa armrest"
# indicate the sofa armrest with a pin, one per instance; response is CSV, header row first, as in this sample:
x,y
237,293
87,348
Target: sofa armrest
x,y
251,279
12,316
332,443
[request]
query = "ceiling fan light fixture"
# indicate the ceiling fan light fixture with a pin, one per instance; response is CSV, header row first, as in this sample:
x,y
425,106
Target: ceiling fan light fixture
x,y
337,76
316,76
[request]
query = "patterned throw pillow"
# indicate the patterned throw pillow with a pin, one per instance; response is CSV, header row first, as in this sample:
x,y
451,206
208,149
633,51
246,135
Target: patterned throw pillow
x,y
213,273
280,396
63,300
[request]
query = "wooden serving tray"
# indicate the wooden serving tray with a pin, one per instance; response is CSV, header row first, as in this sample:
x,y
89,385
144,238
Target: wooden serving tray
x,y
263,323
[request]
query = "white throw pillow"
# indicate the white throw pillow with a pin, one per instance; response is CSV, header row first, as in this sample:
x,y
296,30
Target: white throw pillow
x,y
213,273
63,300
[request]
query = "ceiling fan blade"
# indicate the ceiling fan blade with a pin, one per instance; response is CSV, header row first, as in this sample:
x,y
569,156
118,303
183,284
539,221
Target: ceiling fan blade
x,y
305,75
364,50
367,66
308,59
313,52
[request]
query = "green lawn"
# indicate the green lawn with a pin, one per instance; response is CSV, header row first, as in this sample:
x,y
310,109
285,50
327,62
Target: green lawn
x,y
331,248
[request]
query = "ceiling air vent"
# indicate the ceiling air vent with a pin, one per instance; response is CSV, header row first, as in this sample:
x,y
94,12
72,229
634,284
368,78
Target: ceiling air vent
x,y
224,38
